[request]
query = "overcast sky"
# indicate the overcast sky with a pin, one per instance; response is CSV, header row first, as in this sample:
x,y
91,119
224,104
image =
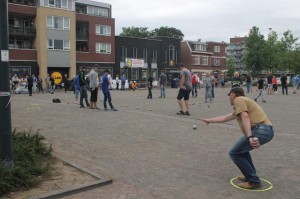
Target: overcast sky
x,y
209,20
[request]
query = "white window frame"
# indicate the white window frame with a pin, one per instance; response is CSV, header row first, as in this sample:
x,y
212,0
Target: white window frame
x,y
103,48
66,26
50,19
200,47
217,49
66,44
196,60
106,30
51,5
204,60
52,25
66,4
52,44
216,61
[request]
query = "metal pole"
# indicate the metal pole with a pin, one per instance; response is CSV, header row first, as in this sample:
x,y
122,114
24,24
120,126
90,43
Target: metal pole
x,y
5,112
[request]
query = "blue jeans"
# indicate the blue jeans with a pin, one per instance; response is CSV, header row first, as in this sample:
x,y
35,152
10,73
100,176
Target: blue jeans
x,y
240,152
248,86
163,91
208,93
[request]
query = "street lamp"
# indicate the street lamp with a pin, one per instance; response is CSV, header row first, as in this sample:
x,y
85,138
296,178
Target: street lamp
x,y
270,39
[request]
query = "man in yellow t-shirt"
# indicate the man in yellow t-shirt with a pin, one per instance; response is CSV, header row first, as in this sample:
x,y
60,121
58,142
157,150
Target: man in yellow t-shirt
x,y
254,123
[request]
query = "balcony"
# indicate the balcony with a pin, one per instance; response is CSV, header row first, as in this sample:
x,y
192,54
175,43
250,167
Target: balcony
x,y
21,31
82,36
23,2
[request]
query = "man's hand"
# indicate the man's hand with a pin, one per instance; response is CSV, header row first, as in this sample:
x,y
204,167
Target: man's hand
x,y
205,120
254,143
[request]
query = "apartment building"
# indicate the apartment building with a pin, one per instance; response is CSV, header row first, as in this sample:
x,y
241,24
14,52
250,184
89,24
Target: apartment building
x,y
236,50
59,36
201,57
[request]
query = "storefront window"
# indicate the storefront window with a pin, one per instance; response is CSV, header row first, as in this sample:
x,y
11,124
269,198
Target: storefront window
x,y
21,71
134,73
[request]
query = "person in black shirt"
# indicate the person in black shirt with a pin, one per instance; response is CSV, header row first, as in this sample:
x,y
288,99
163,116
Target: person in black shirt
x,y
260,87
149,85
29,84
283,80
270,85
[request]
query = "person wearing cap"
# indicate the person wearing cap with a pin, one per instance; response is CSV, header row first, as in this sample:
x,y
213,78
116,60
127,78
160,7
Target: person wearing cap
x,y
184,91
254,123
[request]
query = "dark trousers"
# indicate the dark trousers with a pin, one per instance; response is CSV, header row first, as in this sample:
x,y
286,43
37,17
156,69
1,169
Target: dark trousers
x,y
83,95
117,86
194,90
107,97
149,92
284,87
123,86
30,90
212,91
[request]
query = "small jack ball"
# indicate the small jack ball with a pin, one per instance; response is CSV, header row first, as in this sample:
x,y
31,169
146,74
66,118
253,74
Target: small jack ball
x,y
150,109
137,107
194,127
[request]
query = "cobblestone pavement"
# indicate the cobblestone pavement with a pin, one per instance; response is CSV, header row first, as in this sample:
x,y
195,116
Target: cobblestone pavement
x,y
150,152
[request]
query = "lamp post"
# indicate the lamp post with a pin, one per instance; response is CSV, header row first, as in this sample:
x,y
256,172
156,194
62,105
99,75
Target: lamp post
x,y
5,112
270,39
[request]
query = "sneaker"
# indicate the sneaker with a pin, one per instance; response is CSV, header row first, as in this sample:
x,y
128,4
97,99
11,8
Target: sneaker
x,y
264,101
180,113
186,113
106,109
255,99
242,178
248,185
113,109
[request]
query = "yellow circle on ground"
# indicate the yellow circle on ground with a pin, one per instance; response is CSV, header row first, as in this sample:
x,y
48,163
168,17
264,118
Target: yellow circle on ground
x,y
57,76
257,190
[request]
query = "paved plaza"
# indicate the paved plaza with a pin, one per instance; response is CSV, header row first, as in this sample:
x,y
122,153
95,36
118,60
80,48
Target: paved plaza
x,y
150,152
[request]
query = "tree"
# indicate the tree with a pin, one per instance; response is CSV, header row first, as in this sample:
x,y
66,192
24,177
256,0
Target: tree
x,y
272,51
288,46
254,57
139,32
231,66
168,32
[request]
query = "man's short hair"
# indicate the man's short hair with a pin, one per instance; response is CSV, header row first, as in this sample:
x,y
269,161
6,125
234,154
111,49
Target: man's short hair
x,y
238,91
179,65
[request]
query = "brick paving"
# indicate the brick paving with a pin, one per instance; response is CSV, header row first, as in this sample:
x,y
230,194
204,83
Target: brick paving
x,y
150,152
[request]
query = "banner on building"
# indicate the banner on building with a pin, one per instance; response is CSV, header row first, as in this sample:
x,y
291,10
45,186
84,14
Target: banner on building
x,y
135,63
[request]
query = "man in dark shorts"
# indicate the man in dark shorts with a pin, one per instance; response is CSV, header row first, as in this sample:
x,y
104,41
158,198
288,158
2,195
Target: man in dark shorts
x,y
185,85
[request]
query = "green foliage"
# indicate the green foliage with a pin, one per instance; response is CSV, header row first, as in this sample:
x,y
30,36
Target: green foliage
x,y
272,51
168,32
288,47
142,32
31,159
254,57
231,66
139,32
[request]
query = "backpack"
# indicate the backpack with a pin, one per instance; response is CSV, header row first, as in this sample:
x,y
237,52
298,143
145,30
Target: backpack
x,y
194,79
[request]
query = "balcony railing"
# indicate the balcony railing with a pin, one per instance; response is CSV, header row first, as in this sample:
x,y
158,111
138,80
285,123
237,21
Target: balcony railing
x,y
82,36
24,2
22,31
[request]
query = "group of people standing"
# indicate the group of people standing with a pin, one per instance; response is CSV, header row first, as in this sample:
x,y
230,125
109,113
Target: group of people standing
x,y
81,84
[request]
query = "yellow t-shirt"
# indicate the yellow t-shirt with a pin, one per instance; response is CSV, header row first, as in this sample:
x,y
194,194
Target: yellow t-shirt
x,y
255,112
